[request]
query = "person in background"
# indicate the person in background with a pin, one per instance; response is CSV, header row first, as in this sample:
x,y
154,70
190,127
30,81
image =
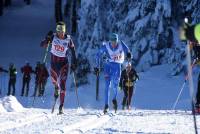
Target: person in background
x,y
26,70
36,72
127,83
12,79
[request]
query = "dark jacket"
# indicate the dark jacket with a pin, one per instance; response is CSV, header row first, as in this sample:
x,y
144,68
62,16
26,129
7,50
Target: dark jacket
x,y
13,73
27,70
128,79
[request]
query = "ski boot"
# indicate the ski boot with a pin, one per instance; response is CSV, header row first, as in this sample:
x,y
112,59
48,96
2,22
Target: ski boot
x,y
105,109
56,92
128,107
197,108
114,105
61,109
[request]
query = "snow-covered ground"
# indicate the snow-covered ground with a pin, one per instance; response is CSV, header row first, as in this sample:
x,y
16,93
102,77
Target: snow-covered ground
x,y
22,28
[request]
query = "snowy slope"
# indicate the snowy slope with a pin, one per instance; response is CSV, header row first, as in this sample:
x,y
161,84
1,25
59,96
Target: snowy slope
x,y
155,93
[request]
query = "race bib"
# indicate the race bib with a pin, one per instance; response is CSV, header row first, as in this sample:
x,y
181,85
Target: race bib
x,y
59,46
116,55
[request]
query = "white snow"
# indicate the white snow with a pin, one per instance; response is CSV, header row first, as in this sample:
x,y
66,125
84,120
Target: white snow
x,y
154,95
11,104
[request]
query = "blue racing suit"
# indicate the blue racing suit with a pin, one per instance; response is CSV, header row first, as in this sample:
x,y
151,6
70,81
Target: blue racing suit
x,y
112,66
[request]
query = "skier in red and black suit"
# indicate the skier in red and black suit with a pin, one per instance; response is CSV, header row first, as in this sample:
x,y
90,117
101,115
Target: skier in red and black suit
x,y
127,83
43,76
26,70
60,44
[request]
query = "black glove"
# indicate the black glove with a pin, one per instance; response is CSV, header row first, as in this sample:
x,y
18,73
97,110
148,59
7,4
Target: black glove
x,y
128,55
96,70
73,67
49,36
50,33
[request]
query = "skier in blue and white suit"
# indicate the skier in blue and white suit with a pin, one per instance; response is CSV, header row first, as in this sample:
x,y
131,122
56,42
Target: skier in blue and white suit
x,y
115,51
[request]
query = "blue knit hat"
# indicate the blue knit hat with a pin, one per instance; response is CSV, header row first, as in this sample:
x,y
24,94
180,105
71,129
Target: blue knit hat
x,y
114,37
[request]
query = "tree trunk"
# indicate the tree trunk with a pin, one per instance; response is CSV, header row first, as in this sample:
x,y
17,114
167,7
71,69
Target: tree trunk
x,y
58,10
7,3
1,7
74,18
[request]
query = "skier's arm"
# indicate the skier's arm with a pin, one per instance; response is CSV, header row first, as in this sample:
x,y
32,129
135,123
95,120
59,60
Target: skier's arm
x,y
126,50
48,39
3,70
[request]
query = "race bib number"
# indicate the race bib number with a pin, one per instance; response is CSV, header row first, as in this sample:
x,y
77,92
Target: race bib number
x,y
116,57
59,48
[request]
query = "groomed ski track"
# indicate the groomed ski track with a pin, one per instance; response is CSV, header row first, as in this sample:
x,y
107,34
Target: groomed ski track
x,y
94,121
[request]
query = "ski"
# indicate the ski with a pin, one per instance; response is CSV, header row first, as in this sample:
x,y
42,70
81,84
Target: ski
x,y
110,113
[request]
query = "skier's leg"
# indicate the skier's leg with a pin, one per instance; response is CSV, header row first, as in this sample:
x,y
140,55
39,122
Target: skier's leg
x,y
54,76
13,84
63,78
107,86
23,86
130,96
27,87
107,72
9,87
107,90
40,89
43,87
116,72
125,97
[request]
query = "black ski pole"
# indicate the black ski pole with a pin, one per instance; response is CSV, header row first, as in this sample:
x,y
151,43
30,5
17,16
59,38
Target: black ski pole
x,y
97,86
76,89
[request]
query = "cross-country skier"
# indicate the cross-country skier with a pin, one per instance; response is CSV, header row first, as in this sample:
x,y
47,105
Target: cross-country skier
x,y
12,79
115,51
26,70
60,44
127,82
